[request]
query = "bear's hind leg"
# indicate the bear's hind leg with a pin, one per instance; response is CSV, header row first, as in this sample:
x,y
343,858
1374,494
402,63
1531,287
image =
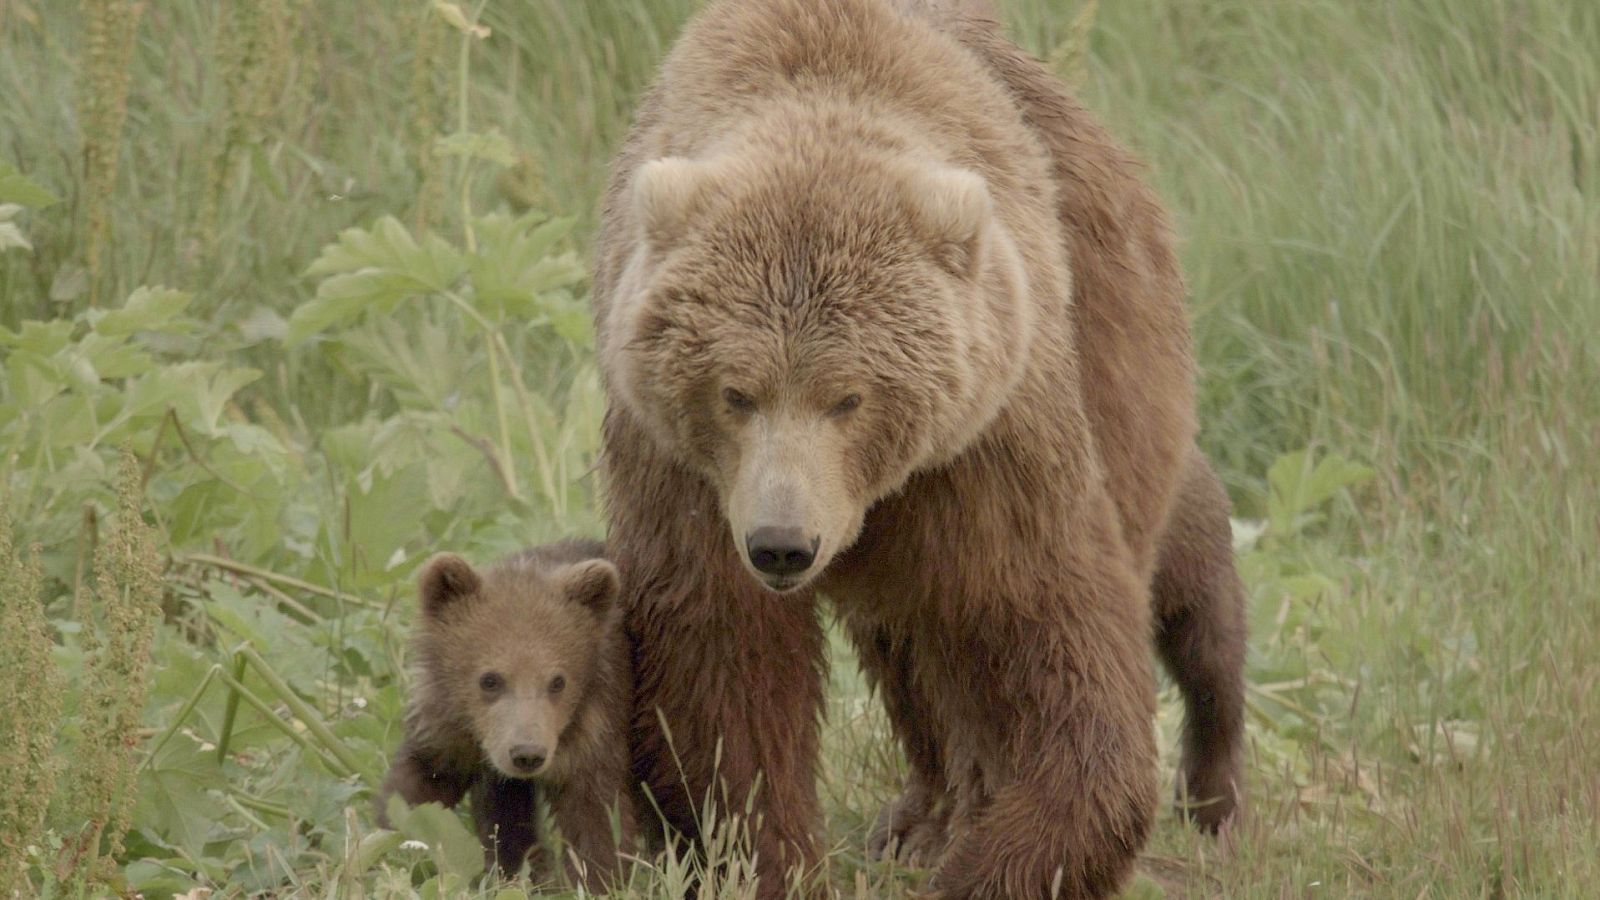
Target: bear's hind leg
x,y
1200,633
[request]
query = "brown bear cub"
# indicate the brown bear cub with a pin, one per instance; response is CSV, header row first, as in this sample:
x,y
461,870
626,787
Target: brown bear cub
x,y
522,686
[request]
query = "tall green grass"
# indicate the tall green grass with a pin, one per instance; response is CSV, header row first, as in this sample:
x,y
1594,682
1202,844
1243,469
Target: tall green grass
x,y
1391,227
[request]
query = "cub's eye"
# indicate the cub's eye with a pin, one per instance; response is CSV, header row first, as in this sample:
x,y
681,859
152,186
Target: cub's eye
x,y
846,405
738,401
557,683
491,682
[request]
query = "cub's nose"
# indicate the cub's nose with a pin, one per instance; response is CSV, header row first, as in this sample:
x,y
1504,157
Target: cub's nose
x,y
528,758
779,551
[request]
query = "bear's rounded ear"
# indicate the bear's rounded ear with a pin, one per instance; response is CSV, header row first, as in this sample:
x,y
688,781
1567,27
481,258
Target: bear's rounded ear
x,y
665,194
955,208
446,579
594,583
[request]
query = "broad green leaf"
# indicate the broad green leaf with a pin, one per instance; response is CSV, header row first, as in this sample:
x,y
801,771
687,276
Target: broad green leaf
x,y
152,392
176,799
155,877
424,365
348,446
444,886
374,268
282,642
115,357
374,847
1297,486
514,266
147,309
18,188
253,440
69,421
343,297
455,849
571,320
385,516
43,338
389,246
11,237
211,396
78,370
32,379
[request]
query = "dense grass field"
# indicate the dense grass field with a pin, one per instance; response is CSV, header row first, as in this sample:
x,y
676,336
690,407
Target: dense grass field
x,y
292,294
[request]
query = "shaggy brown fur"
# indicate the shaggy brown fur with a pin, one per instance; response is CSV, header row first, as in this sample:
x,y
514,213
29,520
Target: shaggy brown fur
x,y
522,686
882,311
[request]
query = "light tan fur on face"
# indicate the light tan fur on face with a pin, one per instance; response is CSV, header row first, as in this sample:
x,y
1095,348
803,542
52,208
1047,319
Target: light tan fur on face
x,y
791,474
932,269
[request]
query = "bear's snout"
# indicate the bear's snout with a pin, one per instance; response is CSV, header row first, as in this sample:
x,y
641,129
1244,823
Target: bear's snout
x,y
528,759
781,553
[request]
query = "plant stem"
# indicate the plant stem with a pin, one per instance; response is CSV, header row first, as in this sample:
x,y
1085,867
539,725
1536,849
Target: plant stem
x,y
303,711
239,568
332,763
496,347
230,712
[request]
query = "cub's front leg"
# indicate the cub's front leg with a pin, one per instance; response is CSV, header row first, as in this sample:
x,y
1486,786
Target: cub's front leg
x,y
584,812
505,811
420,775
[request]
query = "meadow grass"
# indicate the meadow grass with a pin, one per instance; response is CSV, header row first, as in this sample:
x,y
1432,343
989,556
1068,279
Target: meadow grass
x,y
1391,228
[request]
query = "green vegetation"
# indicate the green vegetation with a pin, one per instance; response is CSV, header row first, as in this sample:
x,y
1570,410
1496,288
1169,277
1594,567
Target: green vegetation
x,y
320,272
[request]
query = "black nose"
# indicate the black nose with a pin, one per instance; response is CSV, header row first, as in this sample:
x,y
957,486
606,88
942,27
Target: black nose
x,y
780,551
528,758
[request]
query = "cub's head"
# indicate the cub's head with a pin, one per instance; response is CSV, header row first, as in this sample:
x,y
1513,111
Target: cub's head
x,y
512,651
809,330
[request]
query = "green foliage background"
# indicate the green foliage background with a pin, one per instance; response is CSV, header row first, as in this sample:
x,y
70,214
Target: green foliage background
x,y
321,268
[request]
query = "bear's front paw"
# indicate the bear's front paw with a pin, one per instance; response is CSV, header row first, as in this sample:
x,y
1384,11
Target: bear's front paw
x,y
909,830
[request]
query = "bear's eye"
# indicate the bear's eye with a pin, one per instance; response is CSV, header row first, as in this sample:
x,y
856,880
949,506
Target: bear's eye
x,y
557,683
491,682
738,401
847,405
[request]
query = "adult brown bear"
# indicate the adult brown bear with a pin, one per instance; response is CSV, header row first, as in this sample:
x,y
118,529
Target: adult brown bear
x,y
883,312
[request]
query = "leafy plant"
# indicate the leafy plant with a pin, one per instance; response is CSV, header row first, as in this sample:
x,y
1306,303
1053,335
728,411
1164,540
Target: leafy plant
x,y
17,193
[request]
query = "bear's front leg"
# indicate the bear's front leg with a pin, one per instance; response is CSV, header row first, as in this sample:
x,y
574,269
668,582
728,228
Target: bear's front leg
x,y
911,827
506,813
1064,750
727,718
584,810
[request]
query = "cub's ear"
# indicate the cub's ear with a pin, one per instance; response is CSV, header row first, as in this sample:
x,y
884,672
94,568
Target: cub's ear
x,y
595,583
955,210
666,193
446,579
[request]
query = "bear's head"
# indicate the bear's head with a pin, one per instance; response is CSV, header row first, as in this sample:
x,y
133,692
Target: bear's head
x,y
512,651
807,330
